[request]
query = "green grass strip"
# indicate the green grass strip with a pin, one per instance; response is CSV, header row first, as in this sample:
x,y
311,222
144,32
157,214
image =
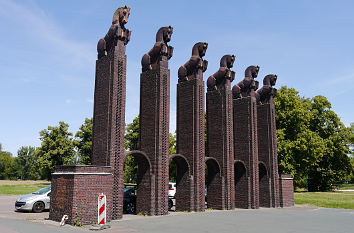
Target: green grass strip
x,y
342,200
20,189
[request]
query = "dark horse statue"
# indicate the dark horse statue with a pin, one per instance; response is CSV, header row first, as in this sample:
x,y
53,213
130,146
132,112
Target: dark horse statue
x,y
160,49
117,31
267,92
244,88
195,63
224,73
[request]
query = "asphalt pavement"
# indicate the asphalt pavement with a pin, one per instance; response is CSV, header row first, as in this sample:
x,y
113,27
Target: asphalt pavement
x,y
288,220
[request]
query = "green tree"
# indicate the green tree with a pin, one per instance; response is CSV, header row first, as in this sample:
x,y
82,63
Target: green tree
x,y
83,142
298,147
7,165
312,142
131,142
27,161
57,148
131,138
172,150
335,164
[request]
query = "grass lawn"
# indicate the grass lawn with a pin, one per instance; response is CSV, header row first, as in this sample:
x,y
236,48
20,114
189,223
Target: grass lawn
x,y
343,200
346,186
21,187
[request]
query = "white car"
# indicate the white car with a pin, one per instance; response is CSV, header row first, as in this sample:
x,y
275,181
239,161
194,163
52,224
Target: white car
x,y
171,189
36,202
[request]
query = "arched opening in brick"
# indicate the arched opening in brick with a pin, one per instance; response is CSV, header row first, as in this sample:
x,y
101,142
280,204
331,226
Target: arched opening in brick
x,y
213,183
139,191
241,186
264,186
181,172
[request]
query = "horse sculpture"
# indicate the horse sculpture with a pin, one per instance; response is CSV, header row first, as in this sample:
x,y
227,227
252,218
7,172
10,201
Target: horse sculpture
x,y
245,87
117,31
267,92
195,63
160,49
224,73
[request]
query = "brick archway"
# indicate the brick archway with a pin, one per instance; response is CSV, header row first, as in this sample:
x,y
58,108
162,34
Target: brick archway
x,y
145,179
184,185
264,186
214,184
241,185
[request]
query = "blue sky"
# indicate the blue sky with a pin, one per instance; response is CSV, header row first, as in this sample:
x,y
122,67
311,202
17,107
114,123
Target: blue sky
x,y
48,53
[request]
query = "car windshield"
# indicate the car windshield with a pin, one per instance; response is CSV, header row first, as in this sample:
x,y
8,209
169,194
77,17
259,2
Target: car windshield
x,y
43,190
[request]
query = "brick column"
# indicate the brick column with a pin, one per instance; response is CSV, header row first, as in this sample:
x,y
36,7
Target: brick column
x,y
246,152
190,133
154,128
109,104
220,141
267,154
191,121
109,119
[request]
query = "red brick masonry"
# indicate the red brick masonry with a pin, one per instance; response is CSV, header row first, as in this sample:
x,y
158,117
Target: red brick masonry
x,y
286,187
75,190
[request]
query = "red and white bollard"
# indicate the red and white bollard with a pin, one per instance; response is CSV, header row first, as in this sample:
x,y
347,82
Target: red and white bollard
x,y
102,209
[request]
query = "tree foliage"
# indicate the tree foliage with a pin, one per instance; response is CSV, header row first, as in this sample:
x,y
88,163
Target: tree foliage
x,y
7,165
27,160
57,148
313,144
83,142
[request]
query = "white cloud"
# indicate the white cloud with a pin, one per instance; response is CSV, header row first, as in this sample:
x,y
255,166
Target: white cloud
x,y
68,101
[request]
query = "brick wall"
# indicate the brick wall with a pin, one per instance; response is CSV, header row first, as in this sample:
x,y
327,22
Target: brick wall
x,y
286,190
75,191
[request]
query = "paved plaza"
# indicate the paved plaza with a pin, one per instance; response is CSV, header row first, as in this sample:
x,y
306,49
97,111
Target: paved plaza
x,y
264,220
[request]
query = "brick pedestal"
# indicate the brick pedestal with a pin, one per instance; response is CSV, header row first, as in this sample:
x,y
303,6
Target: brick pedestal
x,y
75,191
267,156
246,152
109,119
154,128
220,147
190,135
286,190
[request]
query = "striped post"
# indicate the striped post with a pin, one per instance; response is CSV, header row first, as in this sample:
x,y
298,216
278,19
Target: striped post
x,y
102,209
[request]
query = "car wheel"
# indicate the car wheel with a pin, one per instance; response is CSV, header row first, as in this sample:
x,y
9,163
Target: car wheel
x,y
170,204
131,208
38,207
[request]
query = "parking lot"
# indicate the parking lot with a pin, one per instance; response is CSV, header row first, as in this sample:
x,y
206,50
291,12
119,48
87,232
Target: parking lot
x,y
296,219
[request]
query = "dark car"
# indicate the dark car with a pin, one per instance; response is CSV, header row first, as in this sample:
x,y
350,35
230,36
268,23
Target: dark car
x,y
129,202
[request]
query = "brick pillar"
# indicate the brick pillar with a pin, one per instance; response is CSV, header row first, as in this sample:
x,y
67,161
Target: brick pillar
x,y
154,128
286,190
267,154
109,119
190,133
246,151
220,141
